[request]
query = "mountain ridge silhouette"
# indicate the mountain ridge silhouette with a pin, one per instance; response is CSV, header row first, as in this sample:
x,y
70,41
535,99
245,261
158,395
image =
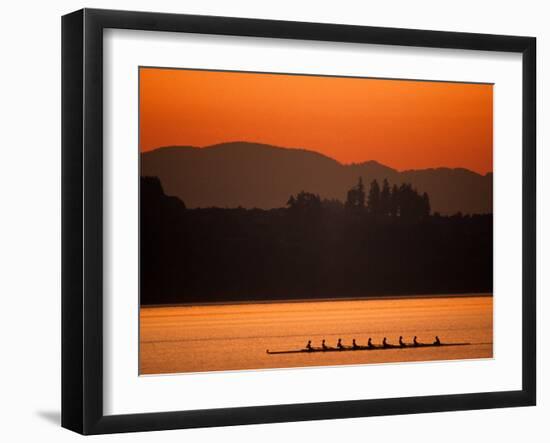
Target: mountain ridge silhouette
x,y
248,174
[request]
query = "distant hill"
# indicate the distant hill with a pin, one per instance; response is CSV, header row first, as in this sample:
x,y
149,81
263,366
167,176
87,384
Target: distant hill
x,y
254,175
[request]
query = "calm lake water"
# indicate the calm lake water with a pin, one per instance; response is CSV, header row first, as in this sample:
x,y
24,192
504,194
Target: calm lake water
x,y
233,337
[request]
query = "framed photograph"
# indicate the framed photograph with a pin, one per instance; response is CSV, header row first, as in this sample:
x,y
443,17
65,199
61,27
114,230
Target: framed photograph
x,y
269,221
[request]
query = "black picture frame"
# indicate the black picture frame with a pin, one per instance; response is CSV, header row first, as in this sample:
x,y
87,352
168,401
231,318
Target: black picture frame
x,y
82,221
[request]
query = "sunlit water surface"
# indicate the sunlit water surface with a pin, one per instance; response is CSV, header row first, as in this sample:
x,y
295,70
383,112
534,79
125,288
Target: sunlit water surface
x,y
233,337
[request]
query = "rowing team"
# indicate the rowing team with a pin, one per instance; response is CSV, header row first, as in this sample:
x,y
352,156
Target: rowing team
x,y
385,344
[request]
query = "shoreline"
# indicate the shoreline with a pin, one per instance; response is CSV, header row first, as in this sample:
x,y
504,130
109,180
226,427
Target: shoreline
x,y
319,300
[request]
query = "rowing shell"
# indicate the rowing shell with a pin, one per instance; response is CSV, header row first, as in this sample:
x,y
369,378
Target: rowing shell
x,y
365,348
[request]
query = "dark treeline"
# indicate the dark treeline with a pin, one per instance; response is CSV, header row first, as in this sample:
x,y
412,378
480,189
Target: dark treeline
x,y
399,201
376,243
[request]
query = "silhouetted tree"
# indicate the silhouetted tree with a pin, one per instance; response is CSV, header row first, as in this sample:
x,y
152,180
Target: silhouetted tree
x,y
409,204
385,198
426,204
394,201
356,196
405,199
304,202
373,201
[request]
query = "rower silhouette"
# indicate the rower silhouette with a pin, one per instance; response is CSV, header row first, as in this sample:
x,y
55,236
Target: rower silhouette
x,y
370,345
401,342
324,346
437,342
354,345
385,342
339,344
415,342
308,346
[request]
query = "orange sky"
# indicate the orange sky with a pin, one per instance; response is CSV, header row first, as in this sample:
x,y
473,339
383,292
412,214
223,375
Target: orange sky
x,y
402,124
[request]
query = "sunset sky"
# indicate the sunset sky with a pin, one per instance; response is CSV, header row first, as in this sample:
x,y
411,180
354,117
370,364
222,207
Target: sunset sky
x,y
402,124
